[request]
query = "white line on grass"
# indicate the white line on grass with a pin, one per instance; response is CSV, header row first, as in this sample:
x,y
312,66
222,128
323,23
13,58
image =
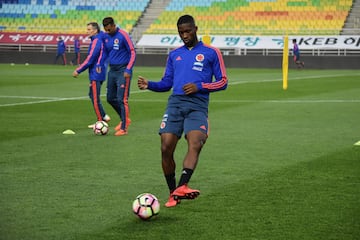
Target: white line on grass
x,y
46,99
214,101
291,101
290,79
30,97
58,99
266,101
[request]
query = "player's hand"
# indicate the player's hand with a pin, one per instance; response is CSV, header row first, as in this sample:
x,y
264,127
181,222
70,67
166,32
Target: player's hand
x,y
127,75
190,88
75,74
142,83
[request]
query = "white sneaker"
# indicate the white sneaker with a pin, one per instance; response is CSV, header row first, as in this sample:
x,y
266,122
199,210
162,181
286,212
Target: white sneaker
x,y
106,118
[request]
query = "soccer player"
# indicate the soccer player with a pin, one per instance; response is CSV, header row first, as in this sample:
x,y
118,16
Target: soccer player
x,y
76,59
95,62
122,56
296,53
189,72
61,48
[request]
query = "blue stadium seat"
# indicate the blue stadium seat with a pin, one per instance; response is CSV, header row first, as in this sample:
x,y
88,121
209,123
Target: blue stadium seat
x,y
45,14
24,1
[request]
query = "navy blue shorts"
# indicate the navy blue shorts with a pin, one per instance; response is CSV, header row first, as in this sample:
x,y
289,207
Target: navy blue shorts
x,y
185,114
296,57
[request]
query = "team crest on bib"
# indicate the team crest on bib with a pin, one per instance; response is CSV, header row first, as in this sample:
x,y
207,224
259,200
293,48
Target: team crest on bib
x,y
200,57
198,65
116,44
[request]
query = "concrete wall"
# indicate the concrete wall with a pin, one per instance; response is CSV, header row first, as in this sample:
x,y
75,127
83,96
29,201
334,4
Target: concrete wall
x,y
249,61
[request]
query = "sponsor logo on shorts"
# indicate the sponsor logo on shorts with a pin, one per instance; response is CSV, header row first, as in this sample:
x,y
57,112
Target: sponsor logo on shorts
x,y
164,120
165,117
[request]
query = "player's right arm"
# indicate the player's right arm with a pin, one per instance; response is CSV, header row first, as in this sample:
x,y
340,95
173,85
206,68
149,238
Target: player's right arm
x,y
142,83
75,74
92,57
166,82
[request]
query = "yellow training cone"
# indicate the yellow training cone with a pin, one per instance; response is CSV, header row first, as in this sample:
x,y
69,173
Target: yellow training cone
x,y
68,132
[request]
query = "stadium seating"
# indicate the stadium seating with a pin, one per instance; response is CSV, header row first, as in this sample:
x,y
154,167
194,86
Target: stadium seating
x,y
236,17
66,16
257,17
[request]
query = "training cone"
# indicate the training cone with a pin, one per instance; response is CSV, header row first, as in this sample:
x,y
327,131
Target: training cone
x,y
357,143
68,132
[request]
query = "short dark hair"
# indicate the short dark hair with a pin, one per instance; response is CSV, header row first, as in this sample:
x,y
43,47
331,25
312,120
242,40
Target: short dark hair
x,y
95,25
294,40
186,19
107,21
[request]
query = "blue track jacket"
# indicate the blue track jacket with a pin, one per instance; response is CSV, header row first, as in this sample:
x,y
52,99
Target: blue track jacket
x,y
120,49
197,65
95,61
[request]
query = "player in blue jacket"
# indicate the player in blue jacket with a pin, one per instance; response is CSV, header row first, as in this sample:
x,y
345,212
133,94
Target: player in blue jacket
x,y
121,52
189,72
296,52
61,48
76,59
95,62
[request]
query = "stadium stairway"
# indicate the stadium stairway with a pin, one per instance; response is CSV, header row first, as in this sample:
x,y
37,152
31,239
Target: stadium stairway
x,y
151,13
352,24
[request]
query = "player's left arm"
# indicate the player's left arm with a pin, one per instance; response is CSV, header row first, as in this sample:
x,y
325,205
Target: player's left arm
x,y
219,72
131,50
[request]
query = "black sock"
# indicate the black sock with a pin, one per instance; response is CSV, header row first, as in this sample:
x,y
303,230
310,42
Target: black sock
x,y
185,176
171,181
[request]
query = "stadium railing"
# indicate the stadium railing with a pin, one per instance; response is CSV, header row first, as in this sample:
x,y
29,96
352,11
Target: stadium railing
x,y
165,50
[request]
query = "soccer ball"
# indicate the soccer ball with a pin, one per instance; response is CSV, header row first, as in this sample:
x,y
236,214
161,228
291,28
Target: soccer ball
x,y
101,128
146,205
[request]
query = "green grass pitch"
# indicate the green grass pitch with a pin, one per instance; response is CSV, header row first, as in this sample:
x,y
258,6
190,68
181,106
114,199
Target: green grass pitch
x,y
277,165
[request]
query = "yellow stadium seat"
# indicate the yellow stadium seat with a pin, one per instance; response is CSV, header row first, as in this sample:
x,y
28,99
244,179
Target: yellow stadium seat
x,y
221,17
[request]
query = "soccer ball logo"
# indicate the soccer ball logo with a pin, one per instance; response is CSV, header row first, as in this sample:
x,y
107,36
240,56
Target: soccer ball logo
x,y
146,205
101,128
